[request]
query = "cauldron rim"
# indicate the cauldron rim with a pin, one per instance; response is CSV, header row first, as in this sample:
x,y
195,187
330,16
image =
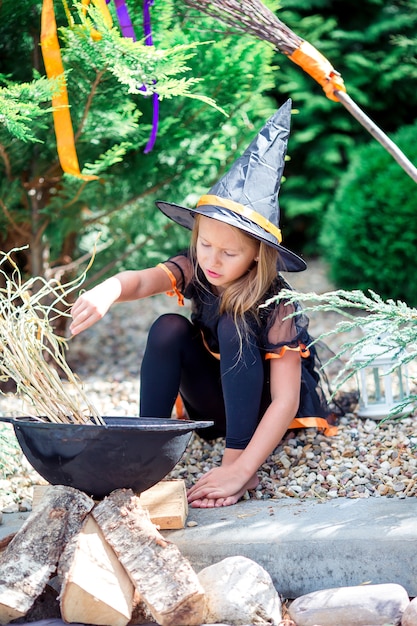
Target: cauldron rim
x,y
115,422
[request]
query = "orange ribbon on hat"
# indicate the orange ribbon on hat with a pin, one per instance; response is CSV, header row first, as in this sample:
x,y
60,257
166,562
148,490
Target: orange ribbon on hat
x,y
245,211
319,68
54,69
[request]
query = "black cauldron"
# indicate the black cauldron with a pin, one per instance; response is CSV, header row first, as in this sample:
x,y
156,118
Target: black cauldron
x,y
127,452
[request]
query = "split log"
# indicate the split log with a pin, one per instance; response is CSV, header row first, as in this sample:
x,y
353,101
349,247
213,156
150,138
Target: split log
x,y
32,556
140,614
164,579
95,588
166,503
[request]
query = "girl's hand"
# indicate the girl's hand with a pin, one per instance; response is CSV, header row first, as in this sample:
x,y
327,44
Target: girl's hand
x,y
221,486
91,307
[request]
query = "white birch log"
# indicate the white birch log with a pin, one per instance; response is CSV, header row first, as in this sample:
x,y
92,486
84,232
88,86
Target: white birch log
x,y
32,556
164,578
95,588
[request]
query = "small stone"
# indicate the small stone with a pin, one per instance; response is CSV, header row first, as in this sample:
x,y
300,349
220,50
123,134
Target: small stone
x,y
239,591
372,605
25,506
12,508
409,617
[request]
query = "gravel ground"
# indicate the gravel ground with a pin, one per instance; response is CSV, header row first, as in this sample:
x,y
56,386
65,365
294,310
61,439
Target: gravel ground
x,y
365,459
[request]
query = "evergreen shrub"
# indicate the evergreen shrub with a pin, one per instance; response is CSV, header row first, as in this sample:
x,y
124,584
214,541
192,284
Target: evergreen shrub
x,y
369,236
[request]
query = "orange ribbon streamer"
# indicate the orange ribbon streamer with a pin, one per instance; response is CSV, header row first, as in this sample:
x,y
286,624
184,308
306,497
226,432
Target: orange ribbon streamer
x,y
102,6
62,119
315,64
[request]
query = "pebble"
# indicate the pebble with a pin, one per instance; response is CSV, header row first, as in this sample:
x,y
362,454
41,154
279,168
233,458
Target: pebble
x,y
365,459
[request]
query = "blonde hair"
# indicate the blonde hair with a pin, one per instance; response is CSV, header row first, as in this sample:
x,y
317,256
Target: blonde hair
x,y
244,295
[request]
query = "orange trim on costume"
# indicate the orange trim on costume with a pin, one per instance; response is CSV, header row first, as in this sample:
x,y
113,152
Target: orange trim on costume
x,y
301,348
245,211
54,68
175,291
317,422
215,354
315,64
180,409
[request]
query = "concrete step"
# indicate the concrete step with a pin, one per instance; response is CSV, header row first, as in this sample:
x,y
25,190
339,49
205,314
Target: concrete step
x,y
310,545
304,545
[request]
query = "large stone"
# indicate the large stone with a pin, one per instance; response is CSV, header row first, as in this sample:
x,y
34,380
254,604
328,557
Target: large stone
x,y
239,591
364,605
410,614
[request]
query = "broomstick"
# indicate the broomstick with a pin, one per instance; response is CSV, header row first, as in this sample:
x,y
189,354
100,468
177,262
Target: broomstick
x,y
253,17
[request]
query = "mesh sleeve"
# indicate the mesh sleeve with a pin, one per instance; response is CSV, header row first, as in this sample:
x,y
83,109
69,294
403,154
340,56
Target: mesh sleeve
x,y
283,330
181,266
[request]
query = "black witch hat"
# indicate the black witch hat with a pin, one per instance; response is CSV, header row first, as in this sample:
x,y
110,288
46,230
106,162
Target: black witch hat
x,y
247,195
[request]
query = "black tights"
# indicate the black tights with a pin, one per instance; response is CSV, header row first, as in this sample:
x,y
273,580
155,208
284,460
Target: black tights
x,y
231,394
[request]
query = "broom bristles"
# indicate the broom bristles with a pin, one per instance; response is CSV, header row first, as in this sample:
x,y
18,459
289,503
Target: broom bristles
x,y
251,17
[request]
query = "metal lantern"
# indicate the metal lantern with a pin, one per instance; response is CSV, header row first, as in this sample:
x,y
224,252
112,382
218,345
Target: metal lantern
x,y
383,381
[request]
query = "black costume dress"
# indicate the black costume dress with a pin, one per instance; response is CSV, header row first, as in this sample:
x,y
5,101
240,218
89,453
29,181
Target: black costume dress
x,y
220,376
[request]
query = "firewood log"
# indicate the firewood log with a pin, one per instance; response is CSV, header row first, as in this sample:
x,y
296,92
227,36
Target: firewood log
x,y
164,579
32,556
140,614
95,588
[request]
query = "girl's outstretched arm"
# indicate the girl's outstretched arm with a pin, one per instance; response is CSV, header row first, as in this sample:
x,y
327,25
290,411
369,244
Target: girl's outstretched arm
x,y
92,305
225,485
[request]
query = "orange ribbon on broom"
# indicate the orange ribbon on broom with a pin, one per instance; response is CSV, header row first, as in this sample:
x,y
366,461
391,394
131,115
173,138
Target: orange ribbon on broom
x,y
253,17
319,68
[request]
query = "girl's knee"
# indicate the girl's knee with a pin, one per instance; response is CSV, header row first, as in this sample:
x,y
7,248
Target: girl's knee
x,y
168,328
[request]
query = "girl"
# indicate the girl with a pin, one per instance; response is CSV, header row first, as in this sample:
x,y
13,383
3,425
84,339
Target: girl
x,y
236,362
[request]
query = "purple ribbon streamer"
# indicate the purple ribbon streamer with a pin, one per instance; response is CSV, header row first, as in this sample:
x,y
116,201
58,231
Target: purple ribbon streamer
x,y
125,22
127,29
155,119
147,22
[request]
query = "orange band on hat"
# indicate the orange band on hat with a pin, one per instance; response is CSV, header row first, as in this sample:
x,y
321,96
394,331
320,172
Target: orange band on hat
x,y
315,64
245,211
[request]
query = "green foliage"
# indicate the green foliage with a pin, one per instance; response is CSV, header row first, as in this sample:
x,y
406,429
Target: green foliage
x,y
195,62
142,69
370,233
211,91
21,104
361,39
392,326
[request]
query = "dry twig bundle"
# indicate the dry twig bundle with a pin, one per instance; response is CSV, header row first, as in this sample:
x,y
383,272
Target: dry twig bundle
x,y
254,18
27,311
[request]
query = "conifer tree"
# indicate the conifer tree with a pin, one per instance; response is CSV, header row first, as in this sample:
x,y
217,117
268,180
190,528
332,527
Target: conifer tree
x,y
210,98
